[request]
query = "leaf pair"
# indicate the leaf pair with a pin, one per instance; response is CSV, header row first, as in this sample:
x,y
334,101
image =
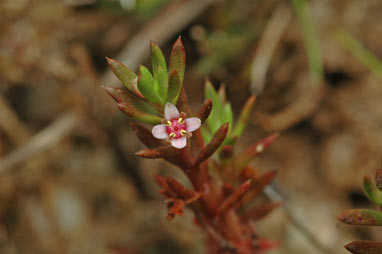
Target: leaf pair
x,y
156,89
163,86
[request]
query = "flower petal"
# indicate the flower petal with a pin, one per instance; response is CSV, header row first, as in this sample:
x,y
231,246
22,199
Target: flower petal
x,y
193,123
179,142
170,111
159,131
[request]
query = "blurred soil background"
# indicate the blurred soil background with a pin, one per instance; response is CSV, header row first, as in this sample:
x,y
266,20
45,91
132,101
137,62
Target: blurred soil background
x,y
70,182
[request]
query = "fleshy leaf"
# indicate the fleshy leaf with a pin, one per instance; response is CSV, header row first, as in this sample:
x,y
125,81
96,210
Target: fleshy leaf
x,y
204,112
133,106
214,120
136,114
145,135
182,103
148,86
128,78
180,190
178,59
222,93
214,144
174,87
361,217
364,247
253,151
155,153
371,191
244,116
233,199
259,185
228,114
159,69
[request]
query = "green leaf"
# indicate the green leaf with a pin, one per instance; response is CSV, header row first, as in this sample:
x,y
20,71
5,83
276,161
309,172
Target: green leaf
x,y
148,86
178,59
206,135
159,69
228,114
162,78
361,217
125,75
372,191
214,120
174,87
139,115
222,93
244,116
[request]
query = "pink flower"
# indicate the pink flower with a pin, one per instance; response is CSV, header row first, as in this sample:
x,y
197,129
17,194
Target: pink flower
x,y
176,129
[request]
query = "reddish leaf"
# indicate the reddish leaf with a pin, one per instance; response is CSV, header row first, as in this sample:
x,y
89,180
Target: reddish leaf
x,y
253,151
180,190
182,103
263,181
145,135
214,144
259,185
249,173
178,59
205,110
364,247
159,152
233,199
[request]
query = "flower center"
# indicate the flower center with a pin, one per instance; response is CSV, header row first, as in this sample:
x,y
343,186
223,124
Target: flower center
x,y
176,128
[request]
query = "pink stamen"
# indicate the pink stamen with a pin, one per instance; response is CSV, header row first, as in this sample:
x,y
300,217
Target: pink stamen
x,y
177,128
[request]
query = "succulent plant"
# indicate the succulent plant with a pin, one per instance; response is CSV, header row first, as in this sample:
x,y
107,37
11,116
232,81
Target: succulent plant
x,y
223,183
366,217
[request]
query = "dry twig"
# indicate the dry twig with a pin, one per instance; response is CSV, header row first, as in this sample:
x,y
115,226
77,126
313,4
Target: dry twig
x,y
42,141
267,45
